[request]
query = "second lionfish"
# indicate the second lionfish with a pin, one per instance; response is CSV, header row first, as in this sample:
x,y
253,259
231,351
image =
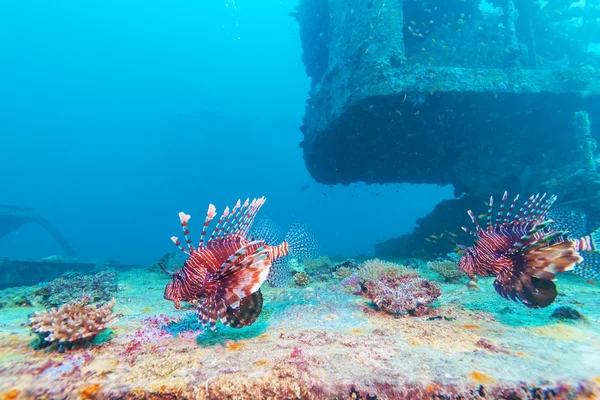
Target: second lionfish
x,y
222,277
524,252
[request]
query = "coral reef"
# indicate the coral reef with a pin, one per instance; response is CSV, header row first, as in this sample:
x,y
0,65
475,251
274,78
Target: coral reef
x,y
317,344
406,294
319,269
72,285
376,269
301,279
342,273
73,323
446,268
351,284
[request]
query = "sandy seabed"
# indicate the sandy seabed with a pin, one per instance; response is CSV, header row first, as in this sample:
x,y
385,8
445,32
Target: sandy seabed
x,y
319,343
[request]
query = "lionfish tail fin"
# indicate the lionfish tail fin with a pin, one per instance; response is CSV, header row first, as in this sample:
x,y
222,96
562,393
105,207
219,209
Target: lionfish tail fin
x,y
302,243
529,274
247,313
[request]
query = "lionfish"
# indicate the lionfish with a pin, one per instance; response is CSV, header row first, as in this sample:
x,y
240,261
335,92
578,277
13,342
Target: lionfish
x,y
223,275
524,252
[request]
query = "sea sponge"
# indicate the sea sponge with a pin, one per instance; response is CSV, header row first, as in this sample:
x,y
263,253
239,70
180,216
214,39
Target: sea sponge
x,y
73,323
406,294
446,268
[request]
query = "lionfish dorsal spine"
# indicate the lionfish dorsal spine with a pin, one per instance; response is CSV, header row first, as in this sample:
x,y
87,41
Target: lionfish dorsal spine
x,y
501,211
210,214
218,228
184,218
479,229
233,219
470,232
225,228
510,211
520,217
175,240
489,214
237,223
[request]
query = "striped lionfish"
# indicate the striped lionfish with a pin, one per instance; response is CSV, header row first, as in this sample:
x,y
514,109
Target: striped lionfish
x,y
223,276
524,253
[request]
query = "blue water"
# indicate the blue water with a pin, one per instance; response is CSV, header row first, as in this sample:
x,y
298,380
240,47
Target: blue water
x,y
114,116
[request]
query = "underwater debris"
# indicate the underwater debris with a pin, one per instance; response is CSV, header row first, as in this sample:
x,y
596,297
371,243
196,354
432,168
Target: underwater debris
x,y
13,217
71,286
227,271
523,252
447,269
566,313
301,279
73,323
487,345
406,294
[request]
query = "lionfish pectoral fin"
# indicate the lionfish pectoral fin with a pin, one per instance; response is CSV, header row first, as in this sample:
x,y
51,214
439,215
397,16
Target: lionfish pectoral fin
x,y
302,242
234,301
247,312
529,275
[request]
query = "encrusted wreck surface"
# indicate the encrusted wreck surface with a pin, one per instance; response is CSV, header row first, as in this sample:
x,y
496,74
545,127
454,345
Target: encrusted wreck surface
x,y
319,343
452,94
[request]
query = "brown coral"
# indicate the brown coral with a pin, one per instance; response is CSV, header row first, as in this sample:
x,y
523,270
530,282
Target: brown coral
x,y
72,323
406,294
301,279
446,268
342,273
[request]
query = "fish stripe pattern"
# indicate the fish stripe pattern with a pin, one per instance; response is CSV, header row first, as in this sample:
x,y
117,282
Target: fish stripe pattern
x,y
223,275
524,253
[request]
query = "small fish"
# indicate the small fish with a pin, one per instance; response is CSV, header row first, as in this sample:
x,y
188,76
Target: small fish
x,y
591,282
524,252
304,187
223,275
434,237
452,234
398,112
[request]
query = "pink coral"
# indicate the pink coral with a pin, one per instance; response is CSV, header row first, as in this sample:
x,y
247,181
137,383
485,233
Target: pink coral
x,y
403,294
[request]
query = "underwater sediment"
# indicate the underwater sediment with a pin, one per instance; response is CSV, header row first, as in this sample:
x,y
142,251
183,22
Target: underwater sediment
x,y
320,341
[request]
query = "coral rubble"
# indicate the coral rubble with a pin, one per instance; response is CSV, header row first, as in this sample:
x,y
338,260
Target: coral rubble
x,y
447,269
73,323
406,294
98,287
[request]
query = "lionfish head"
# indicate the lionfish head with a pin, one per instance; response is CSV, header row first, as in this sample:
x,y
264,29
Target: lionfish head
x,y
467,261
174,289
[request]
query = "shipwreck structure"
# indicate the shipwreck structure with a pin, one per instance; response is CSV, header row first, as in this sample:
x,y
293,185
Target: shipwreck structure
x,y
484,95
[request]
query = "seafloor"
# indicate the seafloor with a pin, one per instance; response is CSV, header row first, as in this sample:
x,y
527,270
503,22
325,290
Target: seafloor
x,y
319,343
